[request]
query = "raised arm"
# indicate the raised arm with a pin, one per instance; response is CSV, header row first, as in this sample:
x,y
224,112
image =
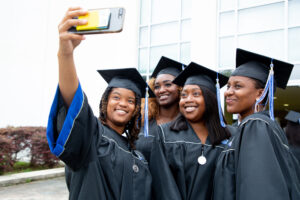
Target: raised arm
x,y
68,80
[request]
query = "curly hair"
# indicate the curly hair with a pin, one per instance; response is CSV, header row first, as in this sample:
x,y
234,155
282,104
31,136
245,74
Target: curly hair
x,y
152,104
133,126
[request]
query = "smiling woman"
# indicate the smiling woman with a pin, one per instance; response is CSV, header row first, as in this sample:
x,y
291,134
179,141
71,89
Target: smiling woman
x,y
192,142
94,149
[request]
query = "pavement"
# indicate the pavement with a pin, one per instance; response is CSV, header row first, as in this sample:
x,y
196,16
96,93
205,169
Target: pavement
x,y
26,177
44,184
48,189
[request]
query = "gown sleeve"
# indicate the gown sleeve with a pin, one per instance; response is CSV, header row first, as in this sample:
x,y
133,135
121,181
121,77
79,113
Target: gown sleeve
x,y
71,131
258,170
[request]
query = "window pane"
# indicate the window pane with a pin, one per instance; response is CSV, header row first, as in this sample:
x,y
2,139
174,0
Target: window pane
x,y
144,15
227,52
186,8
294,14
162,11
227,23
164,33
226,4
261,18
296,72
247,3
185,53
170,51
267,43
186,30
294,44
143,60
144,36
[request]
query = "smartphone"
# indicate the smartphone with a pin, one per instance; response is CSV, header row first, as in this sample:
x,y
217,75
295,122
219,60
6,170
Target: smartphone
x,y
104,20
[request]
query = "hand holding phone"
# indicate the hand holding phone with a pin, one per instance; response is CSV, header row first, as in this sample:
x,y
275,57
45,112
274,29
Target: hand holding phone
x,y
105,20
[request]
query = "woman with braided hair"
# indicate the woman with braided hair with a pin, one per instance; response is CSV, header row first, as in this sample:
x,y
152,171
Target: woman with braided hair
x,y
100,156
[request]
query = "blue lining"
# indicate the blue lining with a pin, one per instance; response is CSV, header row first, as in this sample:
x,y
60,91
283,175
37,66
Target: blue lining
x,y
57,147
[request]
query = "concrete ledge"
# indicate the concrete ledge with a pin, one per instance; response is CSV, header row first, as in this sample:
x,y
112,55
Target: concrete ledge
x,y
31,176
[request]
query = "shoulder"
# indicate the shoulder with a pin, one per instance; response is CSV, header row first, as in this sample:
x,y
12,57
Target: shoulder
x,y
260,117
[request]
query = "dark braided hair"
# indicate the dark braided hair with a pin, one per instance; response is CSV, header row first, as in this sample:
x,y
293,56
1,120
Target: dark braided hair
x,y
132,128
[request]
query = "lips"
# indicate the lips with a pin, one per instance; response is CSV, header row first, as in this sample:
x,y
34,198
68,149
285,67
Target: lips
x,y
230,101
163,97
121,112
190,108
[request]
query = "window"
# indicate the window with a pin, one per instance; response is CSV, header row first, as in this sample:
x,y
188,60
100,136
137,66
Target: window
x,y
269,27
163,32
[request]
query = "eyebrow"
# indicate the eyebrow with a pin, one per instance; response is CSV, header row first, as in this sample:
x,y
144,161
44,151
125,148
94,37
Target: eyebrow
x,y
164,81
195,88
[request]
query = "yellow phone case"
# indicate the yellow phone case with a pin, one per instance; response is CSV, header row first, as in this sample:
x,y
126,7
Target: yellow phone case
x,y
97,19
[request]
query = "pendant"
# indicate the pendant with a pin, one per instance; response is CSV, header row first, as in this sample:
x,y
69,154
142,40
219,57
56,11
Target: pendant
x,y
201,160
135,168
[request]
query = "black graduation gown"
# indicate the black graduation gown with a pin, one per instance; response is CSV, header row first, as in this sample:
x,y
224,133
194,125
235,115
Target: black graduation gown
x,y
296,151
144,144
224,178
264,166
182,149
163,184
100,162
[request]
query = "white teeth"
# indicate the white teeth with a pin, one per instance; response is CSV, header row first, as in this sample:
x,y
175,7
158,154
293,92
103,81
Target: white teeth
x,y
163,97
121,111
190,109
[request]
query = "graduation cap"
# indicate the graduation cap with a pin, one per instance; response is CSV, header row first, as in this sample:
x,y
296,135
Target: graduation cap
x,y
167,66
293,116
128,78
195,74
257,66
265,69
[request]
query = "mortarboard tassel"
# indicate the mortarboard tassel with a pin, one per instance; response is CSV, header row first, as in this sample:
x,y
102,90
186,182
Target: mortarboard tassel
x,y
219,102
268,88
146,123
271,91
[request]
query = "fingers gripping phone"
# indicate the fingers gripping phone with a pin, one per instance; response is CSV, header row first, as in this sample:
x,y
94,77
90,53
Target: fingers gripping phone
x,y
104,20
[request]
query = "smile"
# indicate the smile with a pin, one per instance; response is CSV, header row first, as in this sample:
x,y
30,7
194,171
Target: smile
x,y
163,97
122,112
190,108
230,101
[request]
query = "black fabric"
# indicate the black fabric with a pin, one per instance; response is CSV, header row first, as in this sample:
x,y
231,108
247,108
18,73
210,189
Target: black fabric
x,y
224,178
164,186
167,66
128,78
181,150
195,74
257,66
264,166
296,152
99,163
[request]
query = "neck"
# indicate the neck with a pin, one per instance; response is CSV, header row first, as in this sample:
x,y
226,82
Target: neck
x,y
245,114
167,114
117,128
200,129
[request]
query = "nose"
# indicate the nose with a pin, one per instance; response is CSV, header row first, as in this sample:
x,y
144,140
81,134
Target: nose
x,y
189,98
228,92
162,89
123,103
